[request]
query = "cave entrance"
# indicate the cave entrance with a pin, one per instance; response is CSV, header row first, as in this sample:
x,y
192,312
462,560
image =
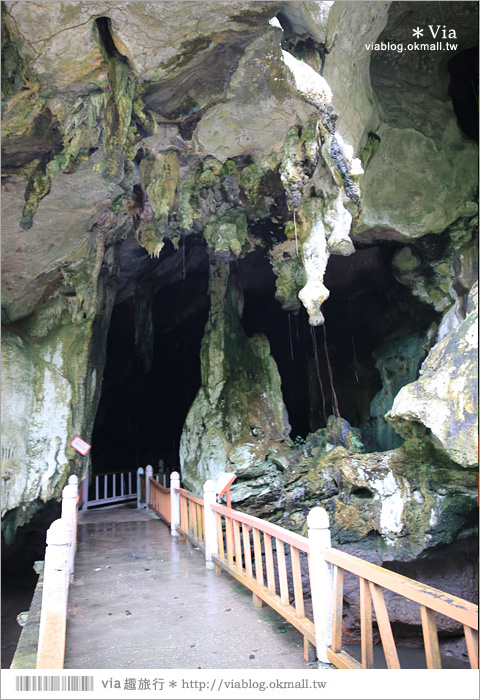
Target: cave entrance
x,y
151,380
152,370
463,90
332,368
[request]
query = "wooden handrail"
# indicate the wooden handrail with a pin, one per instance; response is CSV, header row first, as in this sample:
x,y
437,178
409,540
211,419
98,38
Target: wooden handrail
x,y
190,496
456,608
158,486
276,531
159,499
240,548
235,555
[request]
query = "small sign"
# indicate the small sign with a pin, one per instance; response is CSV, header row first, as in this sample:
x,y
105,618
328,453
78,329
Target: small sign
x,y
80,445
223,481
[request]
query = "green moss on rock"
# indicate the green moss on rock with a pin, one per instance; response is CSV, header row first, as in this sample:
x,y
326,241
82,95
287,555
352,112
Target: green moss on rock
x,y
150,237
37,188
249,179
117,116
238,412
226,233
211,172
368,151
14,68
290,279
160,178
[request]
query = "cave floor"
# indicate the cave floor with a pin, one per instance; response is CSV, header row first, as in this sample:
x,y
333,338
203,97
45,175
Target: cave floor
x,y
143,599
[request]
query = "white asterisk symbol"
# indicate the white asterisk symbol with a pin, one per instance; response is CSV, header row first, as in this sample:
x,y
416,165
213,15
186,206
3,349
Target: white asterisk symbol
x,y
417,32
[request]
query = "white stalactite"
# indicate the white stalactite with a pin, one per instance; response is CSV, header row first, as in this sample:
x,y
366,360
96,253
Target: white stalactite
x,y
315,257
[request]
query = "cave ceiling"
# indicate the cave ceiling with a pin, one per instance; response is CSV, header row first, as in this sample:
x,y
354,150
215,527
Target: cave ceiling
x,y
197,80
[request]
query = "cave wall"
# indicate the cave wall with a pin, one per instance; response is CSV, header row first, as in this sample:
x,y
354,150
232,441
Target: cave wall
x,y
133,156
52,367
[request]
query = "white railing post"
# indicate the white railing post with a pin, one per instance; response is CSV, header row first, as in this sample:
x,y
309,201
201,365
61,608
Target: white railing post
x,y
148,474
73,481
139,487
321,579
174,503
55,581
210,519
69,515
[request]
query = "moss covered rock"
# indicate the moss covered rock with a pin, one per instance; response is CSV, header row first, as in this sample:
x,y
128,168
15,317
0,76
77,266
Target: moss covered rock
x,y
239,410
392,505
226,233
442,405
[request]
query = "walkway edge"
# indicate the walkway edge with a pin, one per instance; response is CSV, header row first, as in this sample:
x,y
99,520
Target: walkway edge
x,y
25,656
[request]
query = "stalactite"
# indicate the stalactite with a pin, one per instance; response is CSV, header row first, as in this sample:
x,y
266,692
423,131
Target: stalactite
x,y
118,107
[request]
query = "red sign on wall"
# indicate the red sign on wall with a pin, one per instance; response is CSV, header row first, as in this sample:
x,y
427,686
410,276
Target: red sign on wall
x,y
80,445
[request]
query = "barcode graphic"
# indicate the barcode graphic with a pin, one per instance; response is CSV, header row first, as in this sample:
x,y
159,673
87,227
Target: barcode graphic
x,y
52,683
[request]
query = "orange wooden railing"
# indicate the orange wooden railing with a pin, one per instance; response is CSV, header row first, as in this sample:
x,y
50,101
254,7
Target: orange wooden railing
x,y
274,572
143,496
372,580
159,500
192,522
269,560
82,493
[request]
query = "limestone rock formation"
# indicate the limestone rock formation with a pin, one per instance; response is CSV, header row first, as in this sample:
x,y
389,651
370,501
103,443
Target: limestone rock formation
x,y
398,361
239,411
414,126
267,219
442,404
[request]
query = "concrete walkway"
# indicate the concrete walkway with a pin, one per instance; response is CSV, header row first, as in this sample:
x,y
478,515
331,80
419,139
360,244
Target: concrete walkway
x,y
143,599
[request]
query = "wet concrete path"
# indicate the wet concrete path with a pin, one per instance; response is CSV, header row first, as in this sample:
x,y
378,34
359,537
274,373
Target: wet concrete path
x,y
143,599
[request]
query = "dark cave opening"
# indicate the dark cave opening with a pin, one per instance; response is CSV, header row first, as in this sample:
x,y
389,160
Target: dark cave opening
x,y
141,413
463,90
366,304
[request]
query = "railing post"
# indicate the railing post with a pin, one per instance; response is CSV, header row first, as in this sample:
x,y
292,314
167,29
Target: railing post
x,y
321,579
51,638
174,503
148,474
69,515
86,484
211,537
139,487
73,481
